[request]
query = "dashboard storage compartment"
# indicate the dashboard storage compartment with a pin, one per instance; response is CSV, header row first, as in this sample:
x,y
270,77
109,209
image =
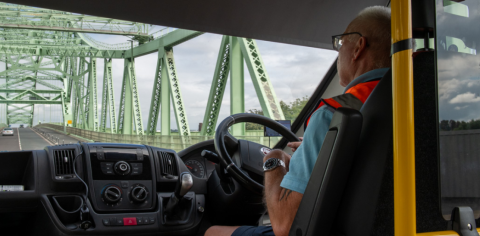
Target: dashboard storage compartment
x,y
19,170
67,208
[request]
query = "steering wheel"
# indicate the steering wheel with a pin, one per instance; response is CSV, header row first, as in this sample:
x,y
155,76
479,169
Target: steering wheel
x,y
250,154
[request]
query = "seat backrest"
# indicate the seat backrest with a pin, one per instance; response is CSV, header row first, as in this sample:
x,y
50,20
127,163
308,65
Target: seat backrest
x,y
329,176
367,204
372,170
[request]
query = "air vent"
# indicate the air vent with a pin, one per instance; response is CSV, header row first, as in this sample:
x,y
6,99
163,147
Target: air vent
x,y
63,161
169,165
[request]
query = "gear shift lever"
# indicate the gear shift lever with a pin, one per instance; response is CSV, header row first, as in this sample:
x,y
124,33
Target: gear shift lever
x,y
184,184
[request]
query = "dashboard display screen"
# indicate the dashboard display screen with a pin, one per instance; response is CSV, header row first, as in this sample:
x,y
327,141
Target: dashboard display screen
x,y
114,154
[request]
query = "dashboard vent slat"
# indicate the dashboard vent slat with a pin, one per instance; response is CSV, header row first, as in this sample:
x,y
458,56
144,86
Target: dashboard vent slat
x,y
168,162
63,162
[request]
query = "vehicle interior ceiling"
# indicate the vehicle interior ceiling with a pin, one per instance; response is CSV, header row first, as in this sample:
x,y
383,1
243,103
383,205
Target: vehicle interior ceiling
x,y
54,198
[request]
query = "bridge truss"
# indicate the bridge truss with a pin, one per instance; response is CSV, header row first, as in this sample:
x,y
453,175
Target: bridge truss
x,y
50,59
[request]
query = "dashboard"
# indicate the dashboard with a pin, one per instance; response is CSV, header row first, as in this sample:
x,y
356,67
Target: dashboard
x,y
121,189
103,188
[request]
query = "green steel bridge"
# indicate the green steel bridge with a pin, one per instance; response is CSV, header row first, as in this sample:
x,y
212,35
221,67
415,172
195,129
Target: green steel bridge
x,y
50,58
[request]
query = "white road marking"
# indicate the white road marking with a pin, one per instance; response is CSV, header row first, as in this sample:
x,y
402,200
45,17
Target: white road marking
x,y
19,143
42,137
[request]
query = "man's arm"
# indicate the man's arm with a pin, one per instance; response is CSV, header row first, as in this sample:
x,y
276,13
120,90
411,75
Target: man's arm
x,y
282,204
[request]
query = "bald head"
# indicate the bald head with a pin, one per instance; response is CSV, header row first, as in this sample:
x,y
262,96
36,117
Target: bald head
x,y
374,23
368,51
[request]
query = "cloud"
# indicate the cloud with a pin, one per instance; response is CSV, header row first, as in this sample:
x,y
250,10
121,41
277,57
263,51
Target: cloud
x,y
460,108
465,98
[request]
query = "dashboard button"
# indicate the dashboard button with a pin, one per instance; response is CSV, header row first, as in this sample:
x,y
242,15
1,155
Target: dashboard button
x,y
151,220
113,221
130,221
137,164
140,221
108,172
119,221
106,164
107,168
125,184
106,222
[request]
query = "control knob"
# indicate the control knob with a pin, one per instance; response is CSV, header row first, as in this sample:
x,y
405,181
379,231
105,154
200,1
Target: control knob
x,y
122,168
112,194
139,193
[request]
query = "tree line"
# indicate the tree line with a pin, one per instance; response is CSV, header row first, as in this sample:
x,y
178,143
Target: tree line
x,y
290,111
449,125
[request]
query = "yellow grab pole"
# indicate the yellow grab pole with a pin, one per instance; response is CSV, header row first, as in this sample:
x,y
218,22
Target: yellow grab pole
x,y
403,123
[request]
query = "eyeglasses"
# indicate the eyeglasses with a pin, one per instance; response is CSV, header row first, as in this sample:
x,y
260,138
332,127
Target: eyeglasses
x,y
337,40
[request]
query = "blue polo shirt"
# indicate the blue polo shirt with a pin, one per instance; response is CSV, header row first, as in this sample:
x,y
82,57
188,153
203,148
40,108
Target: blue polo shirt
x,y
303,160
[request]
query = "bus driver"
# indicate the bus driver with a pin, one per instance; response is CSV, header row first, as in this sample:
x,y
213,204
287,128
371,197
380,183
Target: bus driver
x,y
363,59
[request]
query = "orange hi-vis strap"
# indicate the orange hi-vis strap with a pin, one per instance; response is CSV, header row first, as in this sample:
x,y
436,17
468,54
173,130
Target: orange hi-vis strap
x,y
354,98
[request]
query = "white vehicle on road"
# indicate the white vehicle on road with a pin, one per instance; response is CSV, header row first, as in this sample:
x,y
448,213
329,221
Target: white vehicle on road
x,y
7,131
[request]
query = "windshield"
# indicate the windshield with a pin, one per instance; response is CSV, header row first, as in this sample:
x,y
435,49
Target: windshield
x,y
172,96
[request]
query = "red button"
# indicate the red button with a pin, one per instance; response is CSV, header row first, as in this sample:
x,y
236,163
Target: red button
x,y
130,221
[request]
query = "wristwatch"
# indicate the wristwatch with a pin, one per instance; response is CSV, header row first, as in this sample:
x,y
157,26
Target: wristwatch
x,y
272,163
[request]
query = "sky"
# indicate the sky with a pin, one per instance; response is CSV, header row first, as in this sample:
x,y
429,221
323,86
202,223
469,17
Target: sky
x,y
295,72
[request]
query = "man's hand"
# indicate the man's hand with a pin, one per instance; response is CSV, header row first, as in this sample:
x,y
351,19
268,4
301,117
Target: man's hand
x,y
282,204
295,145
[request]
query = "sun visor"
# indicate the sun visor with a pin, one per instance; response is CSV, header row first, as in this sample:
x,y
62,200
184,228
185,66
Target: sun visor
x,y
301,22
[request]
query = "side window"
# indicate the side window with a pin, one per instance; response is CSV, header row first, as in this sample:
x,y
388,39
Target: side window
x,y
458,67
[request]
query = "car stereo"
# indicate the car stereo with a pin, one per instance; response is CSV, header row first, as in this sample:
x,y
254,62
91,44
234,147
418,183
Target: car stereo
x,y
121,177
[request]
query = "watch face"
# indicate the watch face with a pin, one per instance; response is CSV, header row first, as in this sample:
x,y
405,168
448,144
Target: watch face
x,y
272,162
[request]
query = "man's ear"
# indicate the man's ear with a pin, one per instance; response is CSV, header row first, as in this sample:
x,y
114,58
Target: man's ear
x,y
359,48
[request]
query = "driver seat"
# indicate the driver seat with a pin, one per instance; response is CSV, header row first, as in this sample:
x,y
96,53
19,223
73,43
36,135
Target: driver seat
x,y
356,209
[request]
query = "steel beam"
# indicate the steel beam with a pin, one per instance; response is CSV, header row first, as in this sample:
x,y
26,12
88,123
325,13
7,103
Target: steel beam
x,y
23,17
125,109
169,40
92,120
178,106
217,88
237,84
30,102
265,92
111,98
130,110
108,99
35,90
104,107
67,109
165,101
137,110
155,101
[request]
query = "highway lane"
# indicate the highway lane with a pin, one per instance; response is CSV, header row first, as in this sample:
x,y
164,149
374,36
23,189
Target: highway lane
x,y
10,143
29,140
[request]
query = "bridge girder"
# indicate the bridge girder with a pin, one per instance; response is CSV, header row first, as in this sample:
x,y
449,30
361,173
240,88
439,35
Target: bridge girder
x,y
41,47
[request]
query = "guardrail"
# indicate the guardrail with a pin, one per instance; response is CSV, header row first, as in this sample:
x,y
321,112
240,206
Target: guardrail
x,y
175,142
49,136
